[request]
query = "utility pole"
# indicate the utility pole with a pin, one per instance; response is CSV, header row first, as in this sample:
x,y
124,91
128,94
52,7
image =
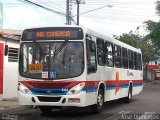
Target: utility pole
x,y
68,12
78,2
69,9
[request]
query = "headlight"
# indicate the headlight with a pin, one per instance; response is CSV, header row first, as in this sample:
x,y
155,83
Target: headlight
x,y
76,89
23,89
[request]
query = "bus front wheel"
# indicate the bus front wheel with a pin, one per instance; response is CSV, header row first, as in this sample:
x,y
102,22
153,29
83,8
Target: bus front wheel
x,y
97,108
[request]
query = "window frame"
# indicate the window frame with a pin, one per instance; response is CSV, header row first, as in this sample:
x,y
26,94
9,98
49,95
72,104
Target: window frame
x,y
89,67
131,59
125,63
139,61
101,54
107,53
118,56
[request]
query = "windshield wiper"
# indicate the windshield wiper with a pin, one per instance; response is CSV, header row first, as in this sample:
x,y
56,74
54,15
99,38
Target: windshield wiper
x,y
58,50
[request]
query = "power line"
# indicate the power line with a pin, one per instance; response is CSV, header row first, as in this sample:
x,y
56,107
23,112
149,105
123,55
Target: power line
x,y
50,5
103,2
38,5
115,19
56,4
46,8
93,10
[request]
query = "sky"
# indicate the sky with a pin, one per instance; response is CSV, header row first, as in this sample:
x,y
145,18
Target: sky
x,y
117,17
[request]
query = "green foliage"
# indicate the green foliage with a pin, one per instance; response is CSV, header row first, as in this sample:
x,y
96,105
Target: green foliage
x,y
129,38
154,33
135,40
149,44
154,29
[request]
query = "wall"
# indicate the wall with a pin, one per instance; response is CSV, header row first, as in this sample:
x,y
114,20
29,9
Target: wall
x,y
10,74
149,74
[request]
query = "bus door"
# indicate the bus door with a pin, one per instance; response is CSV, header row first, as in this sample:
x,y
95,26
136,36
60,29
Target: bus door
x,y
1,68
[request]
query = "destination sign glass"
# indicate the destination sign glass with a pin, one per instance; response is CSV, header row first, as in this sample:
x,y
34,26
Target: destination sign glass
x,y
56,33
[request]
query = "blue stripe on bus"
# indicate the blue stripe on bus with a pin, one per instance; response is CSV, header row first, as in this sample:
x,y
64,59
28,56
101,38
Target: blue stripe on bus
x,y
60,91
137,85
43,91
89,89
112,87
124,86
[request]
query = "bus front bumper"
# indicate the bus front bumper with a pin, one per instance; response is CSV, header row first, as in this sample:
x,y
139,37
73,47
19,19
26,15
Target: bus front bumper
x,y
77,100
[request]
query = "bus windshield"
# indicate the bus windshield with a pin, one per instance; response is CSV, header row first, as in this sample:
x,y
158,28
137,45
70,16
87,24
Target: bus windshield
x,y
51,60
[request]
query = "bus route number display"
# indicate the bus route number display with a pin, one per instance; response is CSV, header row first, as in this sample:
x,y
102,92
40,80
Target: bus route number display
x,y
35,68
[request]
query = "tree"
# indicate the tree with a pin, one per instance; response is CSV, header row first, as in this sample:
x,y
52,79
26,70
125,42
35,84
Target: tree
x,y
129,38
154,29
136,40
149,44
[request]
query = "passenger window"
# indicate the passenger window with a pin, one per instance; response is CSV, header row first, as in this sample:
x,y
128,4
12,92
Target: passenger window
x,y
131,57
139,61
109,54
124,58
91,56
100,52
135,61
117,55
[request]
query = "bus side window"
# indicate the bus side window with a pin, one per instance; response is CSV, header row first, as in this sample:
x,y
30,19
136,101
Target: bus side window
x,y
91,57
109,54
135,61
131,58
117,55
139,62
124,58
100,52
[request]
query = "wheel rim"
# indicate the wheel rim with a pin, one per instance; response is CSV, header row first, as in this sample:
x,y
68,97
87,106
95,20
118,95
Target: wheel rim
x,y
100,101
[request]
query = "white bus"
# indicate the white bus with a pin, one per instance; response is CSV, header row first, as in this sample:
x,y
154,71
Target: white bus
x,y
74,66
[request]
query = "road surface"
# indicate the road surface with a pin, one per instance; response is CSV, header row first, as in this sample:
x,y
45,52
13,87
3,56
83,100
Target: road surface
x,y
145,106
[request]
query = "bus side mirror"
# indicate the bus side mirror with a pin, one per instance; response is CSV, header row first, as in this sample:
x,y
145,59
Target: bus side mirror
x,y
6,50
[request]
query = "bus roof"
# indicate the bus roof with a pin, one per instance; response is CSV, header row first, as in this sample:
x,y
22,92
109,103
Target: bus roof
x,y
112,40
99,35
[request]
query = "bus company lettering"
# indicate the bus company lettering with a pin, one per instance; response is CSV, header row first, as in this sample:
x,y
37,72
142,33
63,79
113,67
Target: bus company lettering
x,y
53,34
129,73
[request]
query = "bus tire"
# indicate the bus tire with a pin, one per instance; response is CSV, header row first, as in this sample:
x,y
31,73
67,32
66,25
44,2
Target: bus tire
x,y
97,108
46,110
129,97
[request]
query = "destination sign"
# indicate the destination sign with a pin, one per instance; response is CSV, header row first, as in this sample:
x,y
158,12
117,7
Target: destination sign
x,y
62,33
53,34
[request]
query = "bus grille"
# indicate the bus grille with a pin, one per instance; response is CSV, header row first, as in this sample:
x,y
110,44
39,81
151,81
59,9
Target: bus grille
x,y
49,99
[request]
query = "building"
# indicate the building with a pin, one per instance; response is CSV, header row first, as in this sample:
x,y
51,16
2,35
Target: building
x,y
153,69
9,47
